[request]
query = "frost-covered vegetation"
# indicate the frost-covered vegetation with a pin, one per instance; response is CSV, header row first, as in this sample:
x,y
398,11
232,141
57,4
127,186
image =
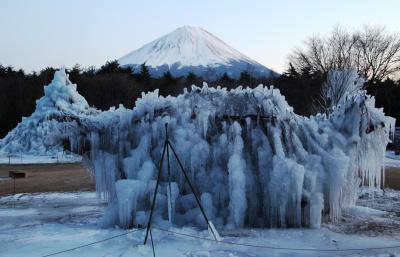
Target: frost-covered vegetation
x,y
41,133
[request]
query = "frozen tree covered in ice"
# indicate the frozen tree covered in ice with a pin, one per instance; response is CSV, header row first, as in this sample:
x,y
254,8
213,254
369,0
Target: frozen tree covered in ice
x,y
339,84
252,160
41,133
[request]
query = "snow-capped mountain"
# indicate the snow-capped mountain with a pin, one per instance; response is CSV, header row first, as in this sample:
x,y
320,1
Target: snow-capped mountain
x,y
192,49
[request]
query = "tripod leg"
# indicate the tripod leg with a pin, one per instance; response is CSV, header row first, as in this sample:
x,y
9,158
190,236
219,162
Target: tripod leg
x,y
155,193
169,189
195,195
152,244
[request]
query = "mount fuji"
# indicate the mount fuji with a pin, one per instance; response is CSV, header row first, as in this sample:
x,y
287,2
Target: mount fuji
x,y
192,49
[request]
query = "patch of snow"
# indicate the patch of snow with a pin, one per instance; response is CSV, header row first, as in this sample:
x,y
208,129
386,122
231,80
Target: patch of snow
x,y
363,212
4,178
17,212
392,160
43,230
386,200
35,159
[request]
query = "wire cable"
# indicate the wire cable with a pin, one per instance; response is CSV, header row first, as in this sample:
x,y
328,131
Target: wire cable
x,y
89,244
279,248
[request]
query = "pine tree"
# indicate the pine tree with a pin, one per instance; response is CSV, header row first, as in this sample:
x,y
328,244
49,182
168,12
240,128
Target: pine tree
x,y
168,77
225,81
191,79
110,67
245,78
291,72
144,72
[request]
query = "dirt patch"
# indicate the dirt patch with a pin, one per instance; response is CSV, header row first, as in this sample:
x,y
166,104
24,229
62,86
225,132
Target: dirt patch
x,y
74,177
392,178
47,178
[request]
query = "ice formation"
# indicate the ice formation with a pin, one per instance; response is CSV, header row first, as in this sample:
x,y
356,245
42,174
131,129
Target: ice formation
x,y
252,160
42,133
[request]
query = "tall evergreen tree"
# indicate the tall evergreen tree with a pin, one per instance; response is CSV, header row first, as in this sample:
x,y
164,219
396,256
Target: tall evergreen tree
x,y
144,72
110,67
226,81
191,79
245,78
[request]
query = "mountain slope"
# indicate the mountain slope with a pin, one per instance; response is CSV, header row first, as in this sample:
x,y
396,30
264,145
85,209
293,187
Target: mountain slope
x,y
192,49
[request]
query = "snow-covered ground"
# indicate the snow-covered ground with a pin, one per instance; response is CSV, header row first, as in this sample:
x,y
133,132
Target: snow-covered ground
x,y
34,159
42,224
392,160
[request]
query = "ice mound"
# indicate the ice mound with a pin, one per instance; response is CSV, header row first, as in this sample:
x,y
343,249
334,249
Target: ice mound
x,y
43,132
253,161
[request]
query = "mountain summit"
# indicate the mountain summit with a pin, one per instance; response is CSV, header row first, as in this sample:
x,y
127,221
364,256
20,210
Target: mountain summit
x,y
192,49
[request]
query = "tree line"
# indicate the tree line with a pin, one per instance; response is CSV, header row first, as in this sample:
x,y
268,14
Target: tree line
x,y
373,52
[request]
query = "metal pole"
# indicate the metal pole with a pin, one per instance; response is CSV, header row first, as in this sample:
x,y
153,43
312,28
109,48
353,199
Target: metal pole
x,y
152,243
14,182
169,178
155,193
192,188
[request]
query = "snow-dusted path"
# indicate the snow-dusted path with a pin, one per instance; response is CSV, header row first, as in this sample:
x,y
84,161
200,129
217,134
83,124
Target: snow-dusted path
x,y
35,159
392,160
41,224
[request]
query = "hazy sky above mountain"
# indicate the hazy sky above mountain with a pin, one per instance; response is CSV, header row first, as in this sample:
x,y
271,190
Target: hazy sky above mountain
x,y
41,33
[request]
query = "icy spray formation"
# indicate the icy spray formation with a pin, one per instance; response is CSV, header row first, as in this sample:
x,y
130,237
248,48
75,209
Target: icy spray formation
x,y
42,133
252,160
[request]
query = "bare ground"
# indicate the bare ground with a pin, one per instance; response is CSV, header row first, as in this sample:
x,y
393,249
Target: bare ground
x,y
47,178
392,178
74,177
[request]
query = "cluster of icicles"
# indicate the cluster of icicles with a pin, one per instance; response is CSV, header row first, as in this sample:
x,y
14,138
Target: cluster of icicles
x,y
252,161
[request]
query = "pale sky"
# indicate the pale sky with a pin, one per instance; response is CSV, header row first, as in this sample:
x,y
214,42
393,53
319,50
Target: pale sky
x,y
39,33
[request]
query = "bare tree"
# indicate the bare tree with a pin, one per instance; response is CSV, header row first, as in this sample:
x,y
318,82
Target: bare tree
x,y
373,52
379,53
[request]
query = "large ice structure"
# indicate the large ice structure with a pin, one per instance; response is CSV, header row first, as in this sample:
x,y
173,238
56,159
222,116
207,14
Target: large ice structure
x,y
252,160
43,132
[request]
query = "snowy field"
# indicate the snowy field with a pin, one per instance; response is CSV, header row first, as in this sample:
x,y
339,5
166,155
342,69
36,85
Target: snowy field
x,y
42,224
392,160
35,159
